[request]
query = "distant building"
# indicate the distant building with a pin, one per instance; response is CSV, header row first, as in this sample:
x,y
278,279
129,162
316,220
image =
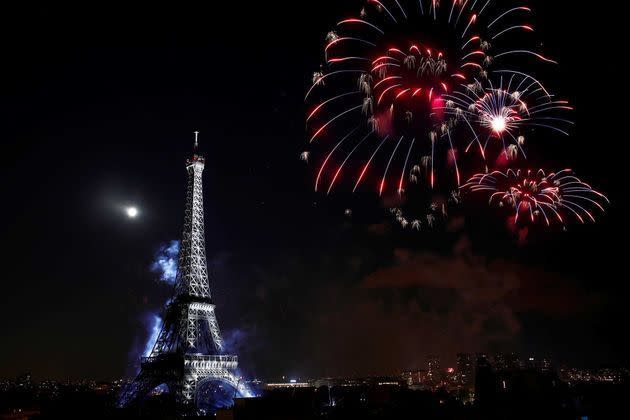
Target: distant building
x,y
506,361
329,382
435,374
513,361
531,392
24,381
434,364
538,364
485,382
291,384
416,378
592,376
544,365
499,361
465,369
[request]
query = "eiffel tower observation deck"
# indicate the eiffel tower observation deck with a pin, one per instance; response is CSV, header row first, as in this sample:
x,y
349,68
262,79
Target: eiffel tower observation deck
x,y
189,350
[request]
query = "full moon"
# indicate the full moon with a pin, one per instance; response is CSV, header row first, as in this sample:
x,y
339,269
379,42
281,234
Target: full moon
x,y
132,212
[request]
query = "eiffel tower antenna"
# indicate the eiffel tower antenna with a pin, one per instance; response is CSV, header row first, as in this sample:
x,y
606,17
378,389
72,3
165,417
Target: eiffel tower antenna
x,y
189,350
196,141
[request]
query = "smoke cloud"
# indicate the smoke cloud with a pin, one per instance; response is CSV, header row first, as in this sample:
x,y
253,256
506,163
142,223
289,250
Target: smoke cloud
x,y
154,325
165,263
165,266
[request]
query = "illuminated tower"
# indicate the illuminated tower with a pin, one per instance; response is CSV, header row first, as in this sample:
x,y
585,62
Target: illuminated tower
x,y
188,352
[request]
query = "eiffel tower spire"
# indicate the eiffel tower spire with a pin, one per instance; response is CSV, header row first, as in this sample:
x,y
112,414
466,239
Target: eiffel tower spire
x,y
192,273
189,350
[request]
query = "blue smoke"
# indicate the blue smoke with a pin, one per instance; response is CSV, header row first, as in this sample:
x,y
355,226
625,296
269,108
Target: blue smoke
x,y
234,340
246,391
165,266
155,325
233,343
143,341
165,263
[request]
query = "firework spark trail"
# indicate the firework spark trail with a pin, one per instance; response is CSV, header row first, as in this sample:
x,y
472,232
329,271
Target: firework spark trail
x,y
461,11
344,59
450,15
321,79
367,165
386,9
347,38
321,169
362,22
448,132
320,106
404,170
332,183
380,191
511,28
401,9
525,75
527,9
318,132
543,58
472,20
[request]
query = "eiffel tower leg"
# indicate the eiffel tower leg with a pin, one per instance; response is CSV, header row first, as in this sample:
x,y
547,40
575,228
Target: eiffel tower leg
x,y
189,387
189,329
241,388
213,325
137,390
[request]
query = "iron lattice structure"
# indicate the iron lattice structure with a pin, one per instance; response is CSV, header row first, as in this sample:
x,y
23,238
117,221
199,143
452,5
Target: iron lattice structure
x,y
189,349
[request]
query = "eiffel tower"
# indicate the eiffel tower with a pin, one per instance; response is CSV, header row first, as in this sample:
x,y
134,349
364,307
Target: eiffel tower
x,y
189,351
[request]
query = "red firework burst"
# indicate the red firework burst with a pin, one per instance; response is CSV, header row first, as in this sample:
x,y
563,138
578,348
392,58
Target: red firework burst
x,y
535,196
380,96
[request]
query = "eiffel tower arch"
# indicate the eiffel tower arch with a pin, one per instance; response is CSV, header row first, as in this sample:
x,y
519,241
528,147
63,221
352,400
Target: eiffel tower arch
x,y
189,350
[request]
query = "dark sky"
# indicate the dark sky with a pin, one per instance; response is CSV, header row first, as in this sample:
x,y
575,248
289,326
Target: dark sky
x,y
97,108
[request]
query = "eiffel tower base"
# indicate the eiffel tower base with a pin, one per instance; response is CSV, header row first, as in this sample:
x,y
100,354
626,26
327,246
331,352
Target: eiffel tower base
x,y
183,375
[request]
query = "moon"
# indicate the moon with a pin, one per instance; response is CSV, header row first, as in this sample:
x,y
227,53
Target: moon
x,y
132,212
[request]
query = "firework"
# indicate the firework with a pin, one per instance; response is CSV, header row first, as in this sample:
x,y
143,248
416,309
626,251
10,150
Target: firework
x,y
378,105
537,197
501,114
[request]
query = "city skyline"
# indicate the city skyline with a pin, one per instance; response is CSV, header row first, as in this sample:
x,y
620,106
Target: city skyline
x,y
466,363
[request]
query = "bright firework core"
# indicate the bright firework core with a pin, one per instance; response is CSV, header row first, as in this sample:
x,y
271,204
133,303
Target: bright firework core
x,y
498,124
528,190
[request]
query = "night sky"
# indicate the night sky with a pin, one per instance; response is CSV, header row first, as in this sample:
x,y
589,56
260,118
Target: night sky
x,y
97,108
